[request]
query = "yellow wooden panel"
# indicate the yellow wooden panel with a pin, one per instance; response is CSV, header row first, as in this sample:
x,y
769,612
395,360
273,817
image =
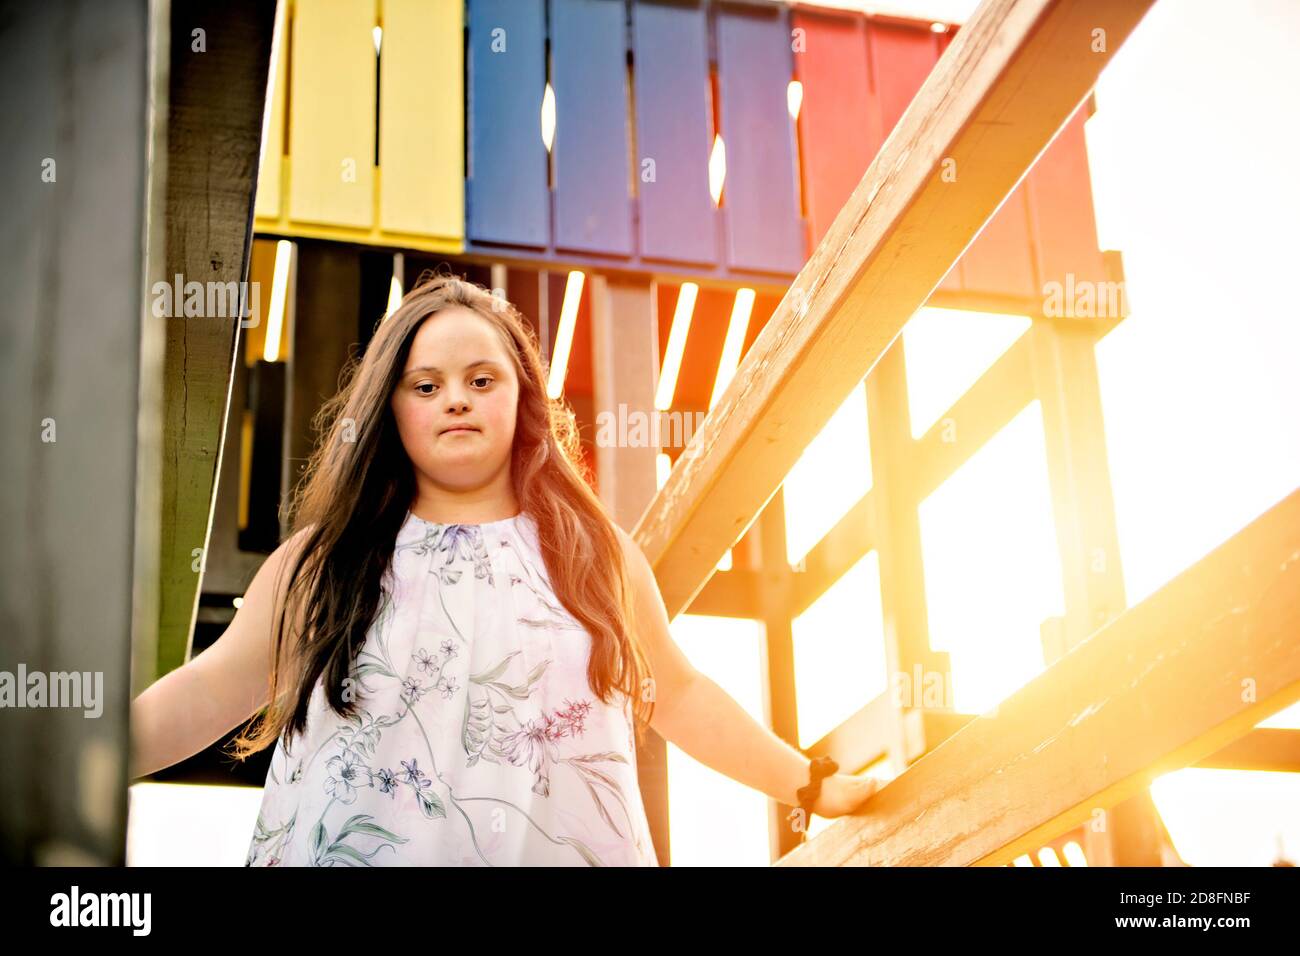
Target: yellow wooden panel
x,y
332,112
422,117
268,176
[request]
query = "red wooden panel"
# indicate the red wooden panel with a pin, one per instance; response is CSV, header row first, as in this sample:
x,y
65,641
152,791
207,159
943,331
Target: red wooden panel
x,y
1063,226
836,147
900,58
998,261
952,281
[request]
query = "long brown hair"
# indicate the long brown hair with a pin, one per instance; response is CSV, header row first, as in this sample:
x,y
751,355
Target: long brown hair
x,y
359,484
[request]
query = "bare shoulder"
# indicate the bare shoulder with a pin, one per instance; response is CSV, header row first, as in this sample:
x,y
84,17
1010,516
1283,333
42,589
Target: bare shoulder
x,y
267,590
286,554
638,564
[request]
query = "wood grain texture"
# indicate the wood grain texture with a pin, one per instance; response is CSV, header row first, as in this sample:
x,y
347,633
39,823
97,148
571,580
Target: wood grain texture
x,y
214,129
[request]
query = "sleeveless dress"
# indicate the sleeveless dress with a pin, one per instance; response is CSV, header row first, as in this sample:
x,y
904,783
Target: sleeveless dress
x,y
478,740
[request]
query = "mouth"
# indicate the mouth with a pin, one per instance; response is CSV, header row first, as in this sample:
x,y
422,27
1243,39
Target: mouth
x,y
457,428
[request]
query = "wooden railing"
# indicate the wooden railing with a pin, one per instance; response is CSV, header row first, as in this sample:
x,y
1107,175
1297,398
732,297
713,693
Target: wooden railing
x,y
1117,706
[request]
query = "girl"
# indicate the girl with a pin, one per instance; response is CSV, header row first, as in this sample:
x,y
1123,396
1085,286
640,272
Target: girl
x,y
472,641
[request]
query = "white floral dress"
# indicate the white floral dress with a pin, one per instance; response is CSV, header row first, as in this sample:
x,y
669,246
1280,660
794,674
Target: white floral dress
x,y
478,741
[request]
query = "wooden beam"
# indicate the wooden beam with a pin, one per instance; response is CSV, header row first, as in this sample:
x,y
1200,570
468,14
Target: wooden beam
x,y
214,141
1264,748
1099,725
625,368
835,554
780,706
732,594
983,410
863,738
1083,504
905,619
1008,82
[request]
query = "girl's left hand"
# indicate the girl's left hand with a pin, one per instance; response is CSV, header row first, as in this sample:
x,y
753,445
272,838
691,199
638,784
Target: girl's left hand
x,y
842,793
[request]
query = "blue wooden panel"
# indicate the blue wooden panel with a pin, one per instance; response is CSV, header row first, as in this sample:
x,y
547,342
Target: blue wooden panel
x,y
670,61
593,209
506,187
761,193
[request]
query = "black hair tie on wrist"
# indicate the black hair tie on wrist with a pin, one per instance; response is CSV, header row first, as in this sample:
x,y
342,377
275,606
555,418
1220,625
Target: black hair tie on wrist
x,y
818,768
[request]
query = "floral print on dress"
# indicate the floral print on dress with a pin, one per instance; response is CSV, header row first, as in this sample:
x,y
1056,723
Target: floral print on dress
x,y
478,740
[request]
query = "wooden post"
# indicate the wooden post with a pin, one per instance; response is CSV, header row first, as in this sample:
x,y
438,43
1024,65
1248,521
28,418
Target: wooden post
x,y
1065,374
902,572
625,370
327,302
215,124
775,586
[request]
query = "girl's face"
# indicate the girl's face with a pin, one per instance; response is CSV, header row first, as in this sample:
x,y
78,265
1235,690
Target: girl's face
x,y
455,403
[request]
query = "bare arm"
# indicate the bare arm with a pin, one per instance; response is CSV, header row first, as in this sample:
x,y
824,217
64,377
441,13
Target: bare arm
x,y
195,705
694,713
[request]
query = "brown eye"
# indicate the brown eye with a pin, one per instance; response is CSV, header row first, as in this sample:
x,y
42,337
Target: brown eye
x,y
483,378
428,385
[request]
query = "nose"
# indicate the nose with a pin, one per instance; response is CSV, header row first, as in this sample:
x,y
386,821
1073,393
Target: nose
x,y
456,403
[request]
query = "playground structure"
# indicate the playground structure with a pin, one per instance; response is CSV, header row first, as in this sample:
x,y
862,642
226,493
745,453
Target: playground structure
x,y
843,169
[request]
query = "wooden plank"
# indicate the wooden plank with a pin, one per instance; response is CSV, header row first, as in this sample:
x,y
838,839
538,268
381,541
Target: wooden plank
x,y
507,187
1063,223
1083,504
900,57
670,62
760,195
1002,89
332,113
1274,749
625,365
836,553
215,117
865,737
422,118
1069,394
904,609
625,354
988,406
780,704
734,594
998,262
593,168
831,65
1067,743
